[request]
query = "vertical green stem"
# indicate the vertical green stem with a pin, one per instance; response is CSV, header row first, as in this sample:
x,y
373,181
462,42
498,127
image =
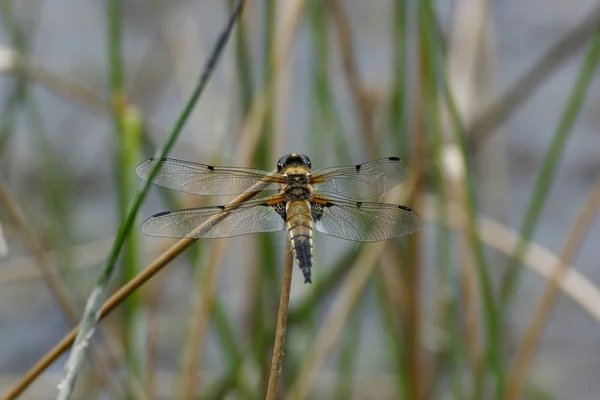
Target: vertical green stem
x,y
127,127
490,311
548,169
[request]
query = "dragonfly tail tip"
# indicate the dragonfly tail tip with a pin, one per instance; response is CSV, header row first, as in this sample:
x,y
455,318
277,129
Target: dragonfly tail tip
x,y
307,275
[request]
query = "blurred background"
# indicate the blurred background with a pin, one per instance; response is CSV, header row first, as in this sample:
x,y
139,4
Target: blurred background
x,y
492,104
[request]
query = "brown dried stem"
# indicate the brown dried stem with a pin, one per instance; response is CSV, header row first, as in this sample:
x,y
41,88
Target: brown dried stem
x,y
538,322
49,276
537,258
284,301
118,298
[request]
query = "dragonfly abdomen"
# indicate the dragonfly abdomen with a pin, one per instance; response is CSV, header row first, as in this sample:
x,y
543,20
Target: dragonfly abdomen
x,y
300,227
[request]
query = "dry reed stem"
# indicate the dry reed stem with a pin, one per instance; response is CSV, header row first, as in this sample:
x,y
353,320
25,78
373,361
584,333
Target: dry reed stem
x,y
48,274
284,301
534,331
119,297
352,73
248,141
537,258
252,129
455,174
393,282
463,61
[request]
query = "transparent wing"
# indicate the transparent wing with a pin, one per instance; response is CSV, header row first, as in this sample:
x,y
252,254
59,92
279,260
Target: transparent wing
x,y
361,181
207,180
364,222
216,222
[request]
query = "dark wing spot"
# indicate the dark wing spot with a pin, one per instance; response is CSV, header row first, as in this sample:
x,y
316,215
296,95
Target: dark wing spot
x,y
221,207
405,208
394,158
329,204
359,203
160,214
317,211
280,209
210,168
357,167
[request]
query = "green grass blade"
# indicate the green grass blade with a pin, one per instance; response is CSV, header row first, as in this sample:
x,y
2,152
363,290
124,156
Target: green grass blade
x,y
91,313
548,169
489,310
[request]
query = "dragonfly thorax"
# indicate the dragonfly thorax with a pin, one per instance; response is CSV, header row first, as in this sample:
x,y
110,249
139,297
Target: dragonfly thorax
x,y
297,187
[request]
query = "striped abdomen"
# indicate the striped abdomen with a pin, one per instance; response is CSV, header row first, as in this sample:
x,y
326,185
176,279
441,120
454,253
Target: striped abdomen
x,y
300,226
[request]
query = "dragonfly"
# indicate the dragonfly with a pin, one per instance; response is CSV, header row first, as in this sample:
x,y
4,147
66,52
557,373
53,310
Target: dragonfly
x,y
328,200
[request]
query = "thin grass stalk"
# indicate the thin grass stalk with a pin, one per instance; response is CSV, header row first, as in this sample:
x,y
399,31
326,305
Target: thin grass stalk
x,y
397,115
411,102
205,298
243,64
277,57
503,107
326,126
462,62
448,312
91,313
255,283
537,258
300,313
147,273
394,337
56,188
284,301
545,177
392,302
490,313
232,351
319,106
116,299
54,284
151,343
265,281
352,74
127,128
203,306
536,327
349,350
336,319
136,357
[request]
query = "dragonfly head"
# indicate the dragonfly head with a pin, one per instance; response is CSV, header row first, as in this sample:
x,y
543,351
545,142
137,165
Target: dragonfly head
x,y
293,160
